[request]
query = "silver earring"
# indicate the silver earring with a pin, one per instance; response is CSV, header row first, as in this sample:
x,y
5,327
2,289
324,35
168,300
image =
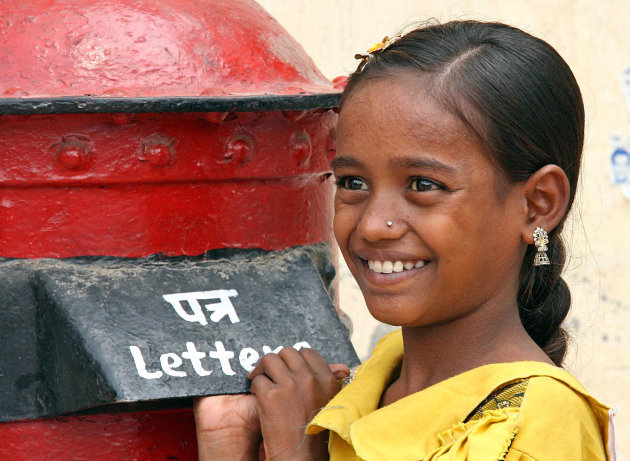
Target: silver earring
x,y
541,239
390,223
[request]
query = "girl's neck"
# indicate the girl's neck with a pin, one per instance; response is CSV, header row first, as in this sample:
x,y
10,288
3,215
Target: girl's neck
x,y
435,353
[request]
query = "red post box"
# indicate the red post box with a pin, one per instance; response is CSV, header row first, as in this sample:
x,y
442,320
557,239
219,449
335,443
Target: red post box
x,y
131,129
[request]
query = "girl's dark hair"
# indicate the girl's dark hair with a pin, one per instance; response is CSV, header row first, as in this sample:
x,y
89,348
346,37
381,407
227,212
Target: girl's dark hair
x,y
520,98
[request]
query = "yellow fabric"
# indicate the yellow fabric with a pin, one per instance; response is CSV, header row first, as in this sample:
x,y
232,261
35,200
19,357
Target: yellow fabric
x,y
557,420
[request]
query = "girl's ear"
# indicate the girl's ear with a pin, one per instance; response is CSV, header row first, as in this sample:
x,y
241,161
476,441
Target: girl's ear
x,y
547,197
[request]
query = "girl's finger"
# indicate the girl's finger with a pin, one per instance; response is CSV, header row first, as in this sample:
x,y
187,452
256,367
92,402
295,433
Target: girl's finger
x,y
340,370
301,361
260,384
277,365
272,366
315,362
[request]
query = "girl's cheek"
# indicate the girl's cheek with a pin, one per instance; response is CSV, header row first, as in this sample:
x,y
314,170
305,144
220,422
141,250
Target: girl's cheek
x,y
342,226
337,226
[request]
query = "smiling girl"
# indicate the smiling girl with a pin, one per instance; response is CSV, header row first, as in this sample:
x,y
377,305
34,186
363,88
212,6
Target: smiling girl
x,y
459,148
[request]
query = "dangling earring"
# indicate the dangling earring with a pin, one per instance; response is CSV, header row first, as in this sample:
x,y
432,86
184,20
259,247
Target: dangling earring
x,y
541,239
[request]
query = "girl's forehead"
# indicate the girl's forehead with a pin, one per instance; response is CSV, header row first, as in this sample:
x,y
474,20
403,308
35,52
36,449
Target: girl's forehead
x,y
399,111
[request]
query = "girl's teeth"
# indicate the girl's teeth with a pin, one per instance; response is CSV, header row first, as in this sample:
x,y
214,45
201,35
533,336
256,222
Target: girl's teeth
x,y
387,267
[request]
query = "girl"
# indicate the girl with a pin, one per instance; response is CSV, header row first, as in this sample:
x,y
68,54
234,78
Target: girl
x,y
459,147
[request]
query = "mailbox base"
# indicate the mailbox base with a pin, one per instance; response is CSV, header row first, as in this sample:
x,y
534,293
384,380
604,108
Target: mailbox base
x,y
150,435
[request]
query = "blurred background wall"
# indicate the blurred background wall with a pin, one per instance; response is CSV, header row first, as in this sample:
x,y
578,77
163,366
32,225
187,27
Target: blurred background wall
x,y
594,38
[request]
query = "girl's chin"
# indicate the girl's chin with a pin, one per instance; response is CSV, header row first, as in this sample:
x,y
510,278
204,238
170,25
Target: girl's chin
x,y
385,312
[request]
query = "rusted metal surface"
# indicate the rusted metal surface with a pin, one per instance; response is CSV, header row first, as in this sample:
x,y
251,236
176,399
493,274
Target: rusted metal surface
x,y
136,128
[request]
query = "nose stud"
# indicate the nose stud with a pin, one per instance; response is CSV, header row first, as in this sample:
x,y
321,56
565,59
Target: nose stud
x,y
390,223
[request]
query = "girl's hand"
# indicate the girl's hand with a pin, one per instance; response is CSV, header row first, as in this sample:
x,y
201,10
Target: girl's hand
x,y
290,387
228,428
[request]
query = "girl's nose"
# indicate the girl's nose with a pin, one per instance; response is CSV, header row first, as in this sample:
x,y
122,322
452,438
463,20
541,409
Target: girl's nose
x,y
381,221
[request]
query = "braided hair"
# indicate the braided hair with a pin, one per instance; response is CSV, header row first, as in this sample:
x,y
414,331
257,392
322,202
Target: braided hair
x,y
520,98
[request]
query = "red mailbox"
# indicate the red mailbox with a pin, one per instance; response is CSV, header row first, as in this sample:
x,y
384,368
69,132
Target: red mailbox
x,y
132,128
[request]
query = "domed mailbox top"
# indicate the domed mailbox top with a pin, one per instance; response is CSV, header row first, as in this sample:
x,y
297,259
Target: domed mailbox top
x,y
158,56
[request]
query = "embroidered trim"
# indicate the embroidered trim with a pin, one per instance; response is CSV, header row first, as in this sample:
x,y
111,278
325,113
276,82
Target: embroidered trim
x,y
343,382
510,396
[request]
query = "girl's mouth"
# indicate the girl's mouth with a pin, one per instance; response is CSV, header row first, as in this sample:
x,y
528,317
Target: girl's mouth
x,y
388,267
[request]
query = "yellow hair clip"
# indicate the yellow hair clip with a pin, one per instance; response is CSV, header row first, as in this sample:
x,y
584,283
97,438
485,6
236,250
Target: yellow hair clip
x,y
380,46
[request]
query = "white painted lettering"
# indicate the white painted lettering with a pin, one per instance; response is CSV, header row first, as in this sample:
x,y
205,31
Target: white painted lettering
x,y
248,358
141,366
269,350
176,300
223,307
224,358
219,310
169,362
191,353
301,345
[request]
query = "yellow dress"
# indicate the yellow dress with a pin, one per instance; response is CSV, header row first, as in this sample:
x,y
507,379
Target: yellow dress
x,y
507,411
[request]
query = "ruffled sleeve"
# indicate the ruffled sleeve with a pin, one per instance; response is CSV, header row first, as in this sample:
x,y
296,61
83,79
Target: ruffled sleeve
x,y
485,439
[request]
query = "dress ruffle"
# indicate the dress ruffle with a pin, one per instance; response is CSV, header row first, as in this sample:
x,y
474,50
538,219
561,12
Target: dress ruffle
x,y
478,439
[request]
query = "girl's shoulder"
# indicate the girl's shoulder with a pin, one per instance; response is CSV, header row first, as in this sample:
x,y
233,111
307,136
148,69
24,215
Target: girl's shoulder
x,y
553,417
559,419
502,411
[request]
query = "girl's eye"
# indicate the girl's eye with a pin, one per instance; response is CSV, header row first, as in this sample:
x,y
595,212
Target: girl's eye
x,y
351,183
424,184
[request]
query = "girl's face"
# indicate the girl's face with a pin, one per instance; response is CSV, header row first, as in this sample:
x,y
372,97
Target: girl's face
x,y
455,244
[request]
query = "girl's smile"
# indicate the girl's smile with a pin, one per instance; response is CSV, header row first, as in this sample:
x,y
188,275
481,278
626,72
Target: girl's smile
x,y
429,228
388,273
387,267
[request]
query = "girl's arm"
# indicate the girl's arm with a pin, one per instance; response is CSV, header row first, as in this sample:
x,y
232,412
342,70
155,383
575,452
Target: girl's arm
x,y
290,387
